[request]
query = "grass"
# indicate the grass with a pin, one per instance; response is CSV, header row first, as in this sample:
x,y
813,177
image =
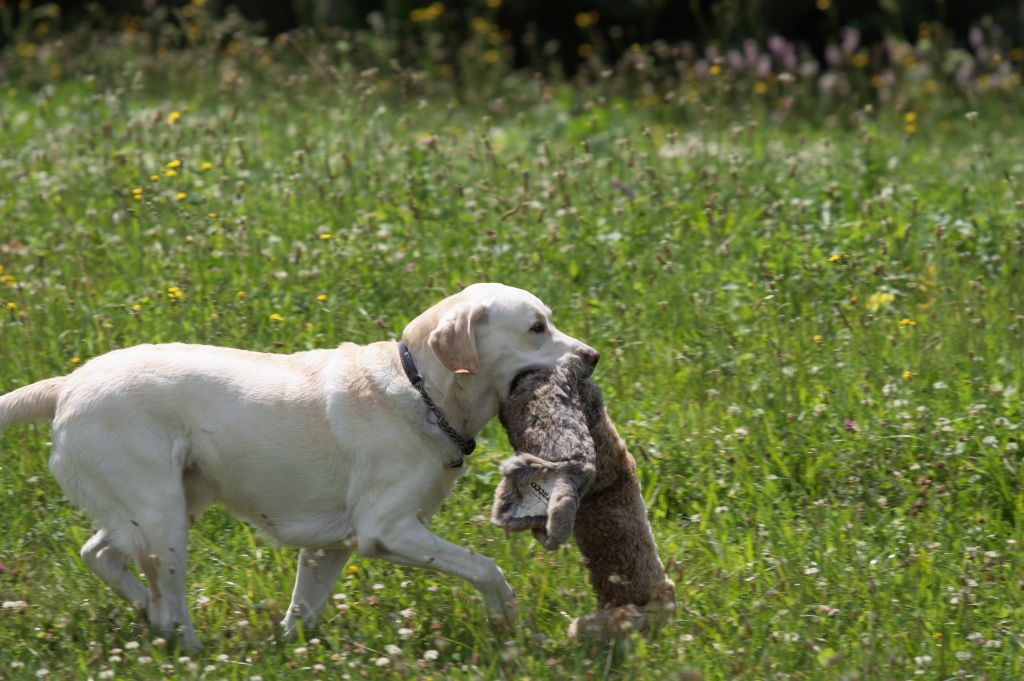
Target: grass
x,y
811,331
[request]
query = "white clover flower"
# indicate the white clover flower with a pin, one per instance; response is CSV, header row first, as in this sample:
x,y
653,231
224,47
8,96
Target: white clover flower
x,y
382,661
430,655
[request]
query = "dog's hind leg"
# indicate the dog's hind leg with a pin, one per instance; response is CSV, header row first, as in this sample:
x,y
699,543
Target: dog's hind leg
x,y
111,564
317,573
163,557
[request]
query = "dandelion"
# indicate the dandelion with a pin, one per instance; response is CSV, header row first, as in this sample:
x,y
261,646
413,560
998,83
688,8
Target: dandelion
x,y
859,60
205,165
171,173
154,178
321,298
587,19
907,322
818,339
907,374
175,293
76,360
11,307
239,294
834,257
275,317
173,117
714,70
352,569
181,196
326,237
173,165
492,56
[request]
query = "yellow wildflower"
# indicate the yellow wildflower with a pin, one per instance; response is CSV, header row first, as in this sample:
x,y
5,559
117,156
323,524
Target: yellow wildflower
x,y
879,299
352,569
136,307
818,339
325,237
907,375
274,317
205,165
714,70
76,360
492,56
171,173
428,13
907,322
175,293
174,165
12,306
181,196
322,298
173,117
154,178
239,294
587,19
834,257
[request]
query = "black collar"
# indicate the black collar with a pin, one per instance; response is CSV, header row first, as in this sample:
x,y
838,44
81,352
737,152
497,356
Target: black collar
x,y
465,446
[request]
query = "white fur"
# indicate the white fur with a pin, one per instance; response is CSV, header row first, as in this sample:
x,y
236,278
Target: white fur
x,y
328,450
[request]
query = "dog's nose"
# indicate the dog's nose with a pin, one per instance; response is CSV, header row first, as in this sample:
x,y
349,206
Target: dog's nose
x,y
589,355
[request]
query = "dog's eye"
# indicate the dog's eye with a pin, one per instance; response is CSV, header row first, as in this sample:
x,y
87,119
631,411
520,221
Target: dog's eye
x,y
539,327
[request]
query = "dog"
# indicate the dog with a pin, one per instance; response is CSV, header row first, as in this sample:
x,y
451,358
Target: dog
x,y
331,451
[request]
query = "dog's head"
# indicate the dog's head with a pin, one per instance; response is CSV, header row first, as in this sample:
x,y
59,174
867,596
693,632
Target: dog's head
x,y
493,332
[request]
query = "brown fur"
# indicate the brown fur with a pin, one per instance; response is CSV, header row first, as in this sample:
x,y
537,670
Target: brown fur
x,y
611,526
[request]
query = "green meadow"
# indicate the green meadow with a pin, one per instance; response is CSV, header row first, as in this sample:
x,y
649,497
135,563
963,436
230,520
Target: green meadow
x,y
810,313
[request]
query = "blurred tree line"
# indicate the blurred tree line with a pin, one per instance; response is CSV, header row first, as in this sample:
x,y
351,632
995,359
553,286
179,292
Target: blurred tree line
x,y
558,28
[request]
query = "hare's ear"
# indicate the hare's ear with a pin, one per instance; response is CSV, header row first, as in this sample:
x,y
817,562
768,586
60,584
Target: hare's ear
x,y
565,501
453,340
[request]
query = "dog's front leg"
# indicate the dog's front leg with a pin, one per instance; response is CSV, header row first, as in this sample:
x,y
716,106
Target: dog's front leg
x,y
318,571
411,543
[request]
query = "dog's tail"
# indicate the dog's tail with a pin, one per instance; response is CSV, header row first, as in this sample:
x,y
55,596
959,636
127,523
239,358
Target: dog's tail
x,y
31,403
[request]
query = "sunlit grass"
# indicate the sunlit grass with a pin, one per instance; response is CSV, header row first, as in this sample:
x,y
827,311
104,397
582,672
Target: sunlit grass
x,y
811,332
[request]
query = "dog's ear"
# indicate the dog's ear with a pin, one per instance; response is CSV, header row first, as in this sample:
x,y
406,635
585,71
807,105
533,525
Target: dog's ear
x,y
453,340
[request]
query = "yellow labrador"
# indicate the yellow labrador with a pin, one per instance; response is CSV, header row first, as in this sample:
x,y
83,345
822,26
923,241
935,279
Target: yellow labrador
x,y
327,450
